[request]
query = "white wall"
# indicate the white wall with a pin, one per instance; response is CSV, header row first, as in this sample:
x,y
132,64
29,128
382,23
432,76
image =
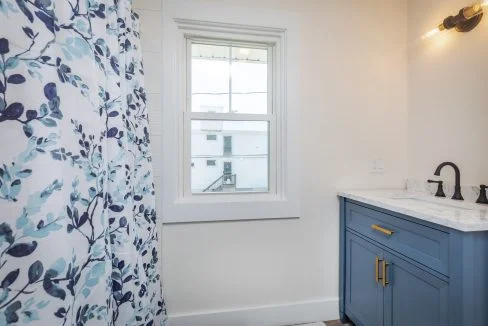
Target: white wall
x,y
448,96
352,101
354,97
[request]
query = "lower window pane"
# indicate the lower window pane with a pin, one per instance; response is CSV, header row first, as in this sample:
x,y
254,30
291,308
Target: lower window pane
x,y
236,161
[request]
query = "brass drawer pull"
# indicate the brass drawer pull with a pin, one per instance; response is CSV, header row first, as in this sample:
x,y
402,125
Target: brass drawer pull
x,y
382,230
377,270
385,281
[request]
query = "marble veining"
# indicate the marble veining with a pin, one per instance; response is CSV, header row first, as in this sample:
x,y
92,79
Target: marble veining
x,y
459,215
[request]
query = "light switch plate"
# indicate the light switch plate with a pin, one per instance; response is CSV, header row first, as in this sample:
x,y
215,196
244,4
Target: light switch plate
x,y
377,166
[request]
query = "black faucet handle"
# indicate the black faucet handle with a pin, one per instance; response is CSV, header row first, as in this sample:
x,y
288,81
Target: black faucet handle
x,y
440,188
482,199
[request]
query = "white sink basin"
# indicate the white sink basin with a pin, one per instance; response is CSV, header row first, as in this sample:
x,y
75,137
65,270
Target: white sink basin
x,y
433,202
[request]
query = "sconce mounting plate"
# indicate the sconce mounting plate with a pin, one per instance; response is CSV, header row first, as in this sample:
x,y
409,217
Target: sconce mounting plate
x,y
470,24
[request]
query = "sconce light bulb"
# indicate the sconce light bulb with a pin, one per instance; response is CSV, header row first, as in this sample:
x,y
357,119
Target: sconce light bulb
x,y
434,32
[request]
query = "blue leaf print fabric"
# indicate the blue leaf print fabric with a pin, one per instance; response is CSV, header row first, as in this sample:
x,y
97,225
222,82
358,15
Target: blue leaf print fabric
x,y
78,226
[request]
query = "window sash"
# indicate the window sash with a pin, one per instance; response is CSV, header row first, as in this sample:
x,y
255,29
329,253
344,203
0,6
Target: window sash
x,y
270,117
232,44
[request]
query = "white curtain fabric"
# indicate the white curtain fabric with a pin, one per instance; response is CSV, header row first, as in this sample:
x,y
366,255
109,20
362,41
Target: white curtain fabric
x,y
78,226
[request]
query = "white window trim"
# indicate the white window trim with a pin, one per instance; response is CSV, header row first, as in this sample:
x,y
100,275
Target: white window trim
x,y
179,205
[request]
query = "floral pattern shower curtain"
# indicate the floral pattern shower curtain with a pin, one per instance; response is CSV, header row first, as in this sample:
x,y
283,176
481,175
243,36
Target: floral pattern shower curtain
x,y
78,227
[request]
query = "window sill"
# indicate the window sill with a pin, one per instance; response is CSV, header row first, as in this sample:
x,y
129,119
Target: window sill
x,y
192,211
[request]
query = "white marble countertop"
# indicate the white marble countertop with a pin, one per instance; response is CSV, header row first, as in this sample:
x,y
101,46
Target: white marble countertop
x,y
459,215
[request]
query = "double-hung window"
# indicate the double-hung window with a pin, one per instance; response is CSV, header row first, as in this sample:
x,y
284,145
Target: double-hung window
x,y
230,149
230,94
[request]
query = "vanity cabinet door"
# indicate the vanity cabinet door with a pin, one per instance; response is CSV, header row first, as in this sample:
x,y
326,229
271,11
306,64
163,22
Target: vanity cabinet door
x,y
413,296
364,291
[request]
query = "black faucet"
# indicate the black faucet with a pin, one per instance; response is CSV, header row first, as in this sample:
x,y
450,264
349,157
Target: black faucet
x,y
457,188
482,199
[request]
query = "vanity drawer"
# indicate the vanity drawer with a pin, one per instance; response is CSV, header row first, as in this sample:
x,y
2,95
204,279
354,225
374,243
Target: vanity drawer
x,y
419,242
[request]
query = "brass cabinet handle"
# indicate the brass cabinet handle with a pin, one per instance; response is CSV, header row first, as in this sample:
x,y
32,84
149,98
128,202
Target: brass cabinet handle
x,y
377,270
385,281
381,229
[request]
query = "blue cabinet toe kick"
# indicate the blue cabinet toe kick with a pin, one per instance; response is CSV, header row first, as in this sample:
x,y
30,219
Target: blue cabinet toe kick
x,y
396,270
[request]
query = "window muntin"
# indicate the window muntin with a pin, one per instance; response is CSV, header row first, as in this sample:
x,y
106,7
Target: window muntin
x,y
230,83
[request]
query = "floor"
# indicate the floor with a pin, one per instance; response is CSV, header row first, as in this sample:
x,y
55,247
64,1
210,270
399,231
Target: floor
x,y
328,323
334,323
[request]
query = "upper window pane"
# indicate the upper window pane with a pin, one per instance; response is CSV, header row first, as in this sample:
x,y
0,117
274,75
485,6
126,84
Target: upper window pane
x,y
249,80
228,79
210,78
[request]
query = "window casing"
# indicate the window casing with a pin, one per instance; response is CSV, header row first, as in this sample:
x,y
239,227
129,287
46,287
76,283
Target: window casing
x,y
280,198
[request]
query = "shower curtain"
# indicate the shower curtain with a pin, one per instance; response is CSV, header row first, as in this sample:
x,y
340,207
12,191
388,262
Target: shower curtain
x,y
78,226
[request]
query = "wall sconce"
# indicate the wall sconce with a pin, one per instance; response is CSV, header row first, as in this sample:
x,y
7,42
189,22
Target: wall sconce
x,y
466,20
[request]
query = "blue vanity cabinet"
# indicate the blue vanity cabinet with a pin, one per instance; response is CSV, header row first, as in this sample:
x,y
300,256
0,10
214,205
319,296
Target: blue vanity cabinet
x,y
364,299
413,296
396,270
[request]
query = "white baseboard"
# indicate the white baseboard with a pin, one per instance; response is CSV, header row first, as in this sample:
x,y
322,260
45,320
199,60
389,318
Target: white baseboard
x,y
276,315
